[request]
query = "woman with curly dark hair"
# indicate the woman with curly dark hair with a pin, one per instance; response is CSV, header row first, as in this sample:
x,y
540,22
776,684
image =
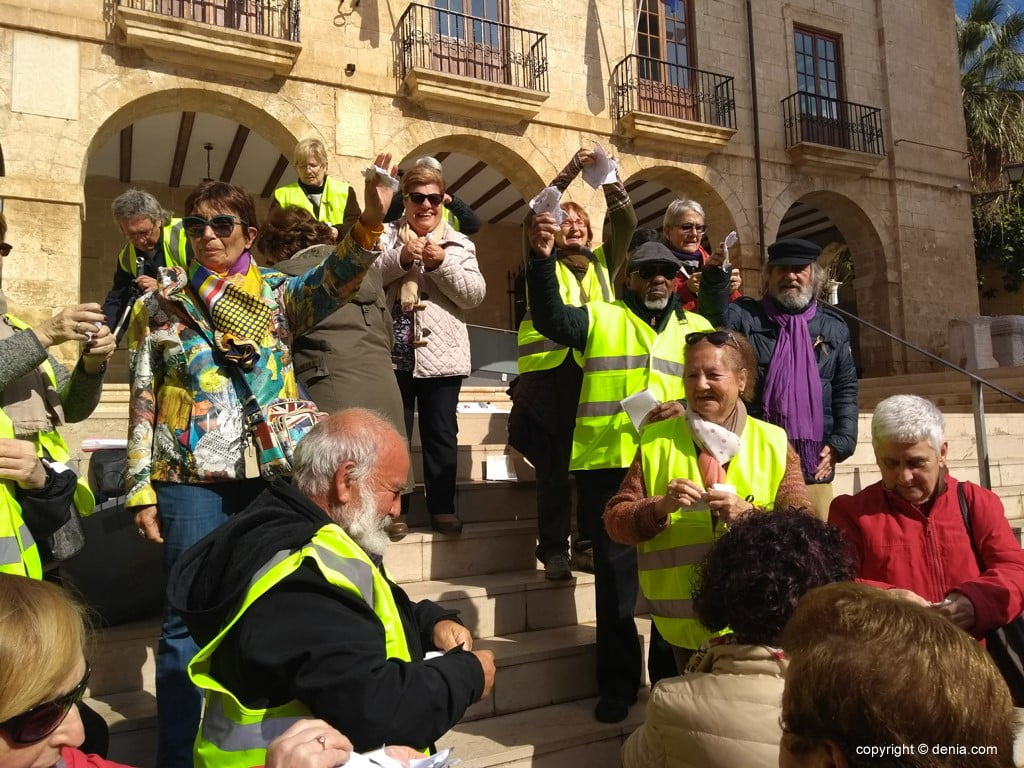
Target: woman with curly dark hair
x,y
725,710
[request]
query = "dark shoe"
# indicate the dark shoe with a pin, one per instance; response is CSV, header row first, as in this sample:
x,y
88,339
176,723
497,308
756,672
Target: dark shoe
x,y
556,567
446,523
397,529
611,709
583,560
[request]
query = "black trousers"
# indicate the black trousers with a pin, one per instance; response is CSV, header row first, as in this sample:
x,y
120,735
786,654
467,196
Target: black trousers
x,y
619,656
437,401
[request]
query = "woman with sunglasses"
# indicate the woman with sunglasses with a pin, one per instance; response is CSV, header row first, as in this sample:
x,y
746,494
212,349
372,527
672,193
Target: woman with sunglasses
x,y
210,335
694,475
431,277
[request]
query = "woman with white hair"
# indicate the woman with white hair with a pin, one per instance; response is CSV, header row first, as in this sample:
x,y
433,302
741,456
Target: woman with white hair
x,y
908,530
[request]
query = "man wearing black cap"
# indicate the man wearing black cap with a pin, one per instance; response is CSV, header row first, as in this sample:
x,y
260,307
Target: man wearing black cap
x,y
626,346
806,377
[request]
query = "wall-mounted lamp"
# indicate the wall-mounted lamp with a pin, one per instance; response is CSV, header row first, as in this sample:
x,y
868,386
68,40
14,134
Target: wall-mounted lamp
x,y
1014,174
350,69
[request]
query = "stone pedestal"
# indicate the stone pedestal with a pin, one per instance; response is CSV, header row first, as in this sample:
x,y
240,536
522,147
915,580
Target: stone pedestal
x,y
971,342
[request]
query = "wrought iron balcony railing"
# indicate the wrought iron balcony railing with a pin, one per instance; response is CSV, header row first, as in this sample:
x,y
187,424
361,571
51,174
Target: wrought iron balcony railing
x,y
271,18
833,122
654,87
458,44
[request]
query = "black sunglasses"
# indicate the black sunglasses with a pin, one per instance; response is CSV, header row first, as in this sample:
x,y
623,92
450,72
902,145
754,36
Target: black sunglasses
x,y
5,249
718,338
42,720
419,197
222,225
650,271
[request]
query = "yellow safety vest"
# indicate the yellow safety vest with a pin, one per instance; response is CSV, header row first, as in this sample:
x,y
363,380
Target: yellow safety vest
x,y
235,736
175,244
332,201
536,351
19,553
668,562
623,356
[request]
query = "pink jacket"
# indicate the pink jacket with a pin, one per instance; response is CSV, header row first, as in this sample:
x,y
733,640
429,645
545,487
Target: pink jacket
x,y
931,554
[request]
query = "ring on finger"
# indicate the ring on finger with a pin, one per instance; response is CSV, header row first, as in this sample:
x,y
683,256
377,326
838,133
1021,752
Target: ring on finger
x,y
322,741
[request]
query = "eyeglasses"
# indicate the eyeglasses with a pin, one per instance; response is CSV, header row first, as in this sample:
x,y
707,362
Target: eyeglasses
x,y
650,271
143,235
570,223
718,338
42,720
419,197
311,165
222,225
5,249
689,226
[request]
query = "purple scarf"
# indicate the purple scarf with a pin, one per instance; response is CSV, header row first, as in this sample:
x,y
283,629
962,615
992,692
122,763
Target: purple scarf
x,y
792,386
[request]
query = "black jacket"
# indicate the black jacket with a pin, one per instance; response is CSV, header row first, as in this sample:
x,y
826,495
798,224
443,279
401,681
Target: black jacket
x,y
308,640
831,338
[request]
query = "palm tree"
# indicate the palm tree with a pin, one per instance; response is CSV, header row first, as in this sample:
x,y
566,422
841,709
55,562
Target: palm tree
x,y
990,41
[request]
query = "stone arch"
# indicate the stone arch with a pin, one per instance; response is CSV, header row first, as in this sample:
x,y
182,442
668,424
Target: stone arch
x,y
863,231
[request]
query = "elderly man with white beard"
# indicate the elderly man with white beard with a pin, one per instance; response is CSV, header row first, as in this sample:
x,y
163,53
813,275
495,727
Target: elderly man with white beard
x,y
806,375
625,347
296,616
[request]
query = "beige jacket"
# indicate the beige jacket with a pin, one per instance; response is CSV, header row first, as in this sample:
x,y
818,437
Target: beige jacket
x,y
445,294
723,715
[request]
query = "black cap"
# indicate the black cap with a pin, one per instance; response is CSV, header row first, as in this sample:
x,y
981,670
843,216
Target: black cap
x,y
652,253
792,252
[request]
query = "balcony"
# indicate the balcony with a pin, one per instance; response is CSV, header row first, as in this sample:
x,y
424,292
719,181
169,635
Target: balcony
x,y
656,103
829,136
255,38
454,63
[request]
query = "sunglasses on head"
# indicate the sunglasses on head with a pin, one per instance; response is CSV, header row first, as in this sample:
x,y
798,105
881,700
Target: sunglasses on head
x,y
5,249
419,197
42,720
222,225
718,338
650,271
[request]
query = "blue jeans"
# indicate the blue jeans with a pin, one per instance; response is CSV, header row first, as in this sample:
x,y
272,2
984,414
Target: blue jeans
x,y
187,514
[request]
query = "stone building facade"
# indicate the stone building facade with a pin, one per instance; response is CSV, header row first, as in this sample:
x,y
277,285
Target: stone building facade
x,y
835,119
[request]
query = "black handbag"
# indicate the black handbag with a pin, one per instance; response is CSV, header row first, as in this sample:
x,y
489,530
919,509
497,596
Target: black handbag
x,y
1005,644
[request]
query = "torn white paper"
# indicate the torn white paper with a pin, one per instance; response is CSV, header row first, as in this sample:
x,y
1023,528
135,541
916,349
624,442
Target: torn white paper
x,y
638,406
547,201
602,170
382,176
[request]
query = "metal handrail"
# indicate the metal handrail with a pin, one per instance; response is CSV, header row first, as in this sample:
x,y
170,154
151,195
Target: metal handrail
x,y
656,87
270,18
977,394
457,43
833,122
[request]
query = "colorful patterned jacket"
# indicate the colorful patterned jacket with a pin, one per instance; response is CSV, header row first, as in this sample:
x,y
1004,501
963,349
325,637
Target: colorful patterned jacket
x,y
185,423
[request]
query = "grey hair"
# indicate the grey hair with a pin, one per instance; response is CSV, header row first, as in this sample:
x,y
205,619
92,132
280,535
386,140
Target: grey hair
x,y
819,276
429,162
136,203
907,419
326,447
678,207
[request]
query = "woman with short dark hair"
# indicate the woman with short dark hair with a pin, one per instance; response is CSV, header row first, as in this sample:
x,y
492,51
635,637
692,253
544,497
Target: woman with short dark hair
x,y
724,712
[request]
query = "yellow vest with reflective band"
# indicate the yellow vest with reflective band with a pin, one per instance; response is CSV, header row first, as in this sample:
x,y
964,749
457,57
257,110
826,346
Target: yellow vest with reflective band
x,y
174,242
450,218
19,554
668,562
332,201
538,352
235,736
623,356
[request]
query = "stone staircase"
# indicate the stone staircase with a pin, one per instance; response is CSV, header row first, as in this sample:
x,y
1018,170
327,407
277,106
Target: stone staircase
x,y
542,633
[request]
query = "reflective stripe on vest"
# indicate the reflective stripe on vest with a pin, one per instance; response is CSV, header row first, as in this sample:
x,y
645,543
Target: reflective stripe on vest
x,y
235,736
175,245
624,355
668,562
19,554
539,353
332,201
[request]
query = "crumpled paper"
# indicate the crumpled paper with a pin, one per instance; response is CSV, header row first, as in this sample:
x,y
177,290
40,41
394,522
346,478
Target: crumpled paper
x,y
547,201
603,170
382,176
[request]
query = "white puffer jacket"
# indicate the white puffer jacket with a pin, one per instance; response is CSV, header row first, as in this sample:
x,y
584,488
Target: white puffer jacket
x,y
446,292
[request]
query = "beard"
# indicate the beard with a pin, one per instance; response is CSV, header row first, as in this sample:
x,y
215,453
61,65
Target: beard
x,y
364,523
656,304
794,300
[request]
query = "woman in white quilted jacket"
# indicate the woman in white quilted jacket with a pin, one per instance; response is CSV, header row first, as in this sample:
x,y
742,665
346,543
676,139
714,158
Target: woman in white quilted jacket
x,y
431,277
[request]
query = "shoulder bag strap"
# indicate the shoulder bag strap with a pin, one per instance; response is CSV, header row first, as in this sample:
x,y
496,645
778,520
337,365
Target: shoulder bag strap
x,y
966,514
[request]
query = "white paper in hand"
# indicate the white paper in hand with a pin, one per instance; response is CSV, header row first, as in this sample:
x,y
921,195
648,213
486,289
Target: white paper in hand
x,y
730,240
383,177
547,201
602,170
638,406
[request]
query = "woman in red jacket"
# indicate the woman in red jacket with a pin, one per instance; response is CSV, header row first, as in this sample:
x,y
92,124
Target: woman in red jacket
x,y
909,533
